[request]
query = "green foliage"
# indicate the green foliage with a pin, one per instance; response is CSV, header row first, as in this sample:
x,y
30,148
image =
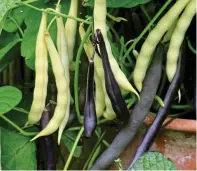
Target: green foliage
x,y
32,22
153,161
119,3
68,139
18,14
6,5
8,49
9,98
18,153
18,117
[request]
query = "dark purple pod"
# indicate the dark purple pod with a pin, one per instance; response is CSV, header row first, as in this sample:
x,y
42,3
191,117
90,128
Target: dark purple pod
x,y
112,87
137,116
90,119
162,113
48,144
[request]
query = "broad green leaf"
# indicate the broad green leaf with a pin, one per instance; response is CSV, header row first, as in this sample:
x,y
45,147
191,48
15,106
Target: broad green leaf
x,y
2,22
153,161
6,58
18,153
18,117
33,22
18,14
9,98
118,3
6,5
68,139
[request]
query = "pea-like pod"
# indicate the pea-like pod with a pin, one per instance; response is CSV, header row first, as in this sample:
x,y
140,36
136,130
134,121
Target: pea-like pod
x,y
49,151
99,96
63,53
90,119
100,11
178,37
162,113
41,72
153,39
112,87
62,89
139,112
88,47
71,28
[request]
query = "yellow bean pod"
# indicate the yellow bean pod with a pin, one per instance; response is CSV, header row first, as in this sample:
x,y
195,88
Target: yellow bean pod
x,y
41,72
153,39
71,28
99,96
100,12
63,53
178,37
62,89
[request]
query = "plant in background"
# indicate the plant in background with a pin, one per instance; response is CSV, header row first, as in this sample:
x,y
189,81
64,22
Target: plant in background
x,y
127,44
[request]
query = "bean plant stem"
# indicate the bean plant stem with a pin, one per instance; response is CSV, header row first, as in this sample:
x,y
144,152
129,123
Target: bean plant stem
x,y
54,12
30,1
76,76
50,24
73,148
190,46
94,150
147,28
17,127
21,110
145,12
17,25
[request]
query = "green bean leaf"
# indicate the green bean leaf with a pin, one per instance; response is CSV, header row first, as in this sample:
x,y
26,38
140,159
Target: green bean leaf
x,y
18,153
18,14
6,5
9,42
9,98
68,139
32,21
153,161
118,3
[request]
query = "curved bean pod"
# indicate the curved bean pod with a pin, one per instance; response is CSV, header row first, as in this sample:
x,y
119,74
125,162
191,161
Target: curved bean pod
x,y
153,39
71,28
41,72
49,151
178,37
63,53
88,47
100,11
99,96
62,89
153,130
112,87
90,119
137,116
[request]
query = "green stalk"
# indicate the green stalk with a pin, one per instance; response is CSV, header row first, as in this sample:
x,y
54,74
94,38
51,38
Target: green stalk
x,y
76,76
73,148
147,28
54,12
94,150
17,127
